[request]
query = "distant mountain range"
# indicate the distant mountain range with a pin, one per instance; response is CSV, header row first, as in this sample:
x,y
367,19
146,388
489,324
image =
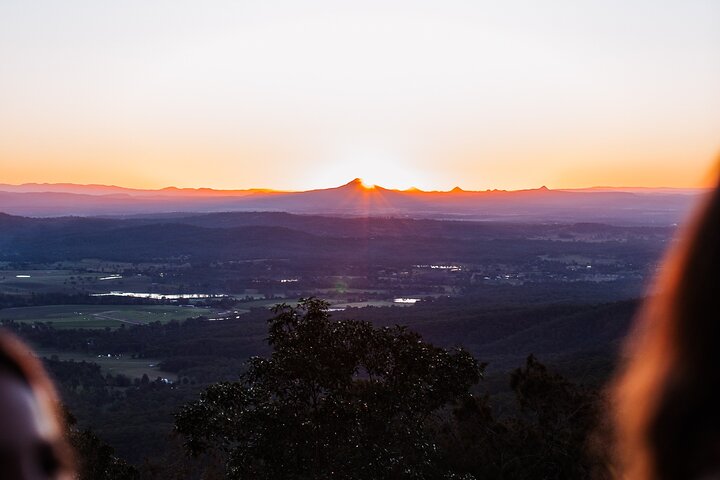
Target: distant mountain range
x,y
600,204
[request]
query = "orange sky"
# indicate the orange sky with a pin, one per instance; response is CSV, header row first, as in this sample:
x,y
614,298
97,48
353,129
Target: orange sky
x,y
299,95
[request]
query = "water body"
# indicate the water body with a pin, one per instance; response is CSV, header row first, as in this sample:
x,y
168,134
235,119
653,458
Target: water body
x,y
159,296
406,300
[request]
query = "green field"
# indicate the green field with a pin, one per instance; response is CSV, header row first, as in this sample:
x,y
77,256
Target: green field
x,y
334,303
20,281
132,367
101,316
68,280
367,303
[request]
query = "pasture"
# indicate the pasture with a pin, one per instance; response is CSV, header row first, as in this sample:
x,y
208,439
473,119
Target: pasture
x,y
114,364
101,316
66,280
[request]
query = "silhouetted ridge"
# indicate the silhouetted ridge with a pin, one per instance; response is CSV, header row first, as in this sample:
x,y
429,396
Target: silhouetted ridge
x,y
358,198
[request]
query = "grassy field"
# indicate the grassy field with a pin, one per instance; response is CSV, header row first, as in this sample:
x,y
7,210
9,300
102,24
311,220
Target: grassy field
x,y
69,281
368,303
132,367
334,303
20,281
101,316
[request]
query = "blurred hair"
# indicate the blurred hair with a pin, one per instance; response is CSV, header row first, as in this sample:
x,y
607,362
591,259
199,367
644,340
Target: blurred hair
x,y
17,360
667,396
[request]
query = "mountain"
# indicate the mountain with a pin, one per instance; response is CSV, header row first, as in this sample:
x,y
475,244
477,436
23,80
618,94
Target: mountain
x,y
624,206
93,189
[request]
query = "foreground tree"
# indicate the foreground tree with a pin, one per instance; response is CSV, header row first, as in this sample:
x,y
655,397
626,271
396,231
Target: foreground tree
x,y
550,436
96,459
336,399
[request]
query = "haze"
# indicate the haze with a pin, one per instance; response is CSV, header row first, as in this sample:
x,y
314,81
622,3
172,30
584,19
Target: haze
x,y
279,95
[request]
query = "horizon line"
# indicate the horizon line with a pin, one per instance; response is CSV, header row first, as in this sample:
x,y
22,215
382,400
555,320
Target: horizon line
x,y
358,181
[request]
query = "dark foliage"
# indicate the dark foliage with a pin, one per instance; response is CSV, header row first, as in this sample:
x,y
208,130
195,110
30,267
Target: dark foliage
x,y
95,459
336,399
549,437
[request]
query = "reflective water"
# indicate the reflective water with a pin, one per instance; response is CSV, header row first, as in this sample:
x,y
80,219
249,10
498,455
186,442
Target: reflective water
x,y
158,296
406,300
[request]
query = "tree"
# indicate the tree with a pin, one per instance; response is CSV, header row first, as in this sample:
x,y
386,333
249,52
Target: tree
x,y
563,418
96,459
336,399
548,437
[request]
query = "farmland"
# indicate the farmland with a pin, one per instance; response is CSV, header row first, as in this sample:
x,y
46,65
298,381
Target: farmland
x,y
101,316
113,364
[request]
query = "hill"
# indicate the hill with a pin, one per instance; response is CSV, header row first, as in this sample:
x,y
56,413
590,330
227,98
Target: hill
x,y
625,206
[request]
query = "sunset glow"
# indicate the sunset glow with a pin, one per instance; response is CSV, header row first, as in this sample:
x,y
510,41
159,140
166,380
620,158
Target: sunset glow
x,y
294,237
366,184
280,95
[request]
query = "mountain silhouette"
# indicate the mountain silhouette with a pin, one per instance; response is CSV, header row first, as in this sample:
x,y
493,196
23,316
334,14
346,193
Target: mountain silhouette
x,y
355,198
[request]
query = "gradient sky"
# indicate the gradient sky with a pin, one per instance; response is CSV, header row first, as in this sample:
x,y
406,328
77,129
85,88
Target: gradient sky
x,y
299,94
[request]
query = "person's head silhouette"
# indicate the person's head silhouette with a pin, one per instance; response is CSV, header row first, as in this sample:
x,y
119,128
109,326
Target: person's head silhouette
x,y
32,440
667,398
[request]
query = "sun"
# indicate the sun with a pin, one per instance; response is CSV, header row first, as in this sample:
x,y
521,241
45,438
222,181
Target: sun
x,y
372,168
382,169
365,184
388,175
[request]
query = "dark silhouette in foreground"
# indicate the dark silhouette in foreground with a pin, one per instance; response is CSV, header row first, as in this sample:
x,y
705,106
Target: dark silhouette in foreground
x,y
37,440
95,458
667,415
335,399
32,440
344,399
548,437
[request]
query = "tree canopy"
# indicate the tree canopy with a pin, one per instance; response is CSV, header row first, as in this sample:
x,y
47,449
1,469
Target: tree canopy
x,y
336,399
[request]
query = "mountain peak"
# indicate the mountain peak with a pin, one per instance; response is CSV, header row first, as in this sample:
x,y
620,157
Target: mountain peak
x,y
358,183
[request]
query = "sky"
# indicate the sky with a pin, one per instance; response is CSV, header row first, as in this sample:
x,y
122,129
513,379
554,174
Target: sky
x,y
294,95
